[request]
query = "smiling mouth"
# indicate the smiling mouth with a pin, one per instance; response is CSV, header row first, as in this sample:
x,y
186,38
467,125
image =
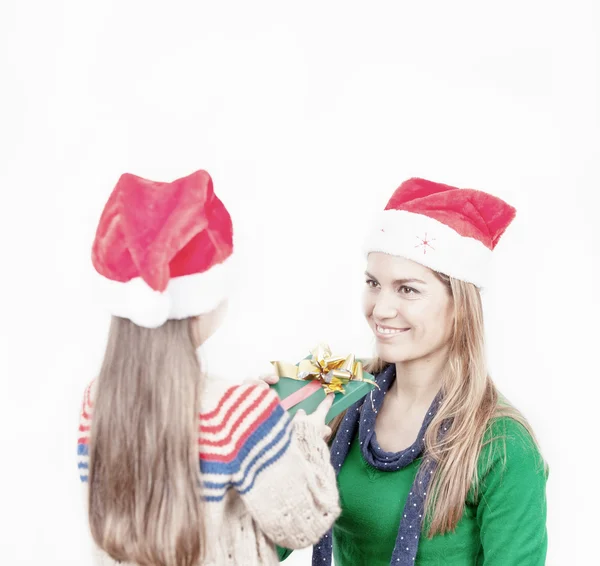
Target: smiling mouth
x,y
388,331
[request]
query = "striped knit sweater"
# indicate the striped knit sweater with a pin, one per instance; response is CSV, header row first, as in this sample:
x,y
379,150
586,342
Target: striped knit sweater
x,y
266,480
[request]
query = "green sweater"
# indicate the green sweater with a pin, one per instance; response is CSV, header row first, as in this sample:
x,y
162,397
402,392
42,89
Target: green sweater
x,y
504,525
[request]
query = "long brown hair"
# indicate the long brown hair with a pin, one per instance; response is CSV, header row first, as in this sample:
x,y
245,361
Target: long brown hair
x,y
470,402
144,504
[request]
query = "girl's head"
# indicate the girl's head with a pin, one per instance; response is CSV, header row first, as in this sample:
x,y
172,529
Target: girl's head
x,y
205,325
162,250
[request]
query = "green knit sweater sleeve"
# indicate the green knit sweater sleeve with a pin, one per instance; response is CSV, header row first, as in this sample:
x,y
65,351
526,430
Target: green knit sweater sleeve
x,y
511,510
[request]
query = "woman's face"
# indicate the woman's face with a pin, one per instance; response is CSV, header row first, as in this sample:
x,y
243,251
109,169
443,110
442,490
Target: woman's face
x,y
408,308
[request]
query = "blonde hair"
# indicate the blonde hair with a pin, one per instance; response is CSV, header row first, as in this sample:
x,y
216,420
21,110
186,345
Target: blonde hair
x,y
144,504
470,402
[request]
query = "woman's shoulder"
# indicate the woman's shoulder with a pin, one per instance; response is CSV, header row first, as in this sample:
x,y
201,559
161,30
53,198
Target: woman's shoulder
x,y
509,429
509,444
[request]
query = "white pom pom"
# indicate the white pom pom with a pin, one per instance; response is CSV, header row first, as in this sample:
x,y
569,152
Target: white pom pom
x,y
137,301
185,296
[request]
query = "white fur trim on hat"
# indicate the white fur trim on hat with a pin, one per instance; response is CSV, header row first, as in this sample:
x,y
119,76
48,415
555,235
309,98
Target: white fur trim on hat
x,y
185,296
431,243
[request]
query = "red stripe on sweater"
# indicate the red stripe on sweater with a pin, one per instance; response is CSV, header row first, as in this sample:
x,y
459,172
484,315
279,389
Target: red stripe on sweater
x,y
84,428
87,403
84,440
209,456
236,424
88,395
224,422
214,412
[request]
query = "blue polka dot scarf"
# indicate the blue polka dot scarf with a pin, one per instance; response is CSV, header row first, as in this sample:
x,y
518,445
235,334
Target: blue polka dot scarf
x,y
362,416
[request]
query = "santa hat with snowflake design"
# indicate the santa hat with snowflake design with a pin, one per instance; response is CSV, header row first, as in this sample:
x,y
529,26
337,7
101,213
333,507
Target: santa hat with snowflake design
x,y
162,250
450,230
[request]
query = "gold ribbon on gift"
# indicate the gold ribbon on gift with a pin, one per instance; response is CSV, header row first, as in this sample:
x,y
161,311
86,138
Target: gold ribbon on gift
x,y
333,372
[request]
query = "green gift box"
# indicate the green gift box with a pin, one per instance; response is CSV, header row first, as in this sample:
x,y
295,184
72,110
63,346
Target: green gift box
x,y
302,386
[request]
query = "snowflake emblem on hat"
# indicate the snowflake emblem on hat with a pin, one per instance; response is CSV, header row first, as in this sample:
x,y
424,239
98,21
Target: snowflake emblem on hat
x,y
425,243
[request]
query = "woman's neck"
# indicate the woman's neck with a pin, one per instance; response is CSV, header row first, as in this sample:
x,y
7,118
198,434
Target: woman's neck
x,y
418,381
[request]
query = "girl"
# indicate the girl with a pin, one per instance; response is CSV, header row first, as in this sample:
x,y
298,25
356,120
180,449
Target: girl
x,y
435,467
180,469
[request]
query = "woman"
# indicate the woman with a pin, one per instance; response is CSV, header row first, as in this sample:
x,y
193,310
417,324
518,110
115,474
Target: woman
x,y
434,467
183,469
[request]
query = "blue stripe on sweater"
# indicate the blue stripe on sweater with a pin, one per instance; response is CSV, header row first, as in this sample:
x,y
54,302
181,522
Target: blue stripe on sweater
x,y
234,466
216,498
272,460
247,473
266,465
82,450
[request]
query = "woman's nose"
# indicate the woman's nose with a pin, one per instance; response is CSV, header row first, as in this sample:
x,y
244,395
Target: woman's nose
x,y
384,307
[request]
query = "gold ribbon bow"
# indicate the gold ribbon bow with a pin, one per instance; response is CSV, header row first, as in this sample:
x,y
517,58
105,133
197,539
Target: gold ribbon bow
x,y
333,372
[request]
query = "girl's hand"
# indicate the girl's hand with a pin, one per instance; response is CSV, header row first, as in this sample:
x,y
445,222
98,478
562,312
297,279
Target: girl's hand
x,y
270,379
317,418
265,380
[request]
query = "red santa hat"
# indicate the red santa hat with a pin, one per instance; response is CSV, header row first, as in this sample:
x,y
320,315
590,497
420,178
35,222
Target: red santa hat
x,y
162,249
450,230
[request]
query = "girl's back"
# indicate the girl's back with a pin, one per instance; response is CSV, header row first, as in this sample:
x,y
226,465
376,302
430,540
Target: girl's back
x,y
179,469
258,483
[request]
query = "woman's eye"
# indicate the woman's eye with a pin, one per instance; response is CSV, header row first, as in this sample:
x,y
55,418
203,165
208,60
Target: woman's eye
x,y
408,290
371,283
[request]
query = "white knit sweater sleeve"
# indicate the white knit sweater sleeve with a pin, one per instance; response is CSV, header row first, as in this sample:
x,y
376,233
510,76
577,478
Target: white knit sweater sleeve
x,y
285,477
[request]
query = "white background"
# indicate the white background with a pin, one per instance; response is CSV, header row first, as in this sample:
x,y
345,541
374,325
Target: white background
x,y
307,115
